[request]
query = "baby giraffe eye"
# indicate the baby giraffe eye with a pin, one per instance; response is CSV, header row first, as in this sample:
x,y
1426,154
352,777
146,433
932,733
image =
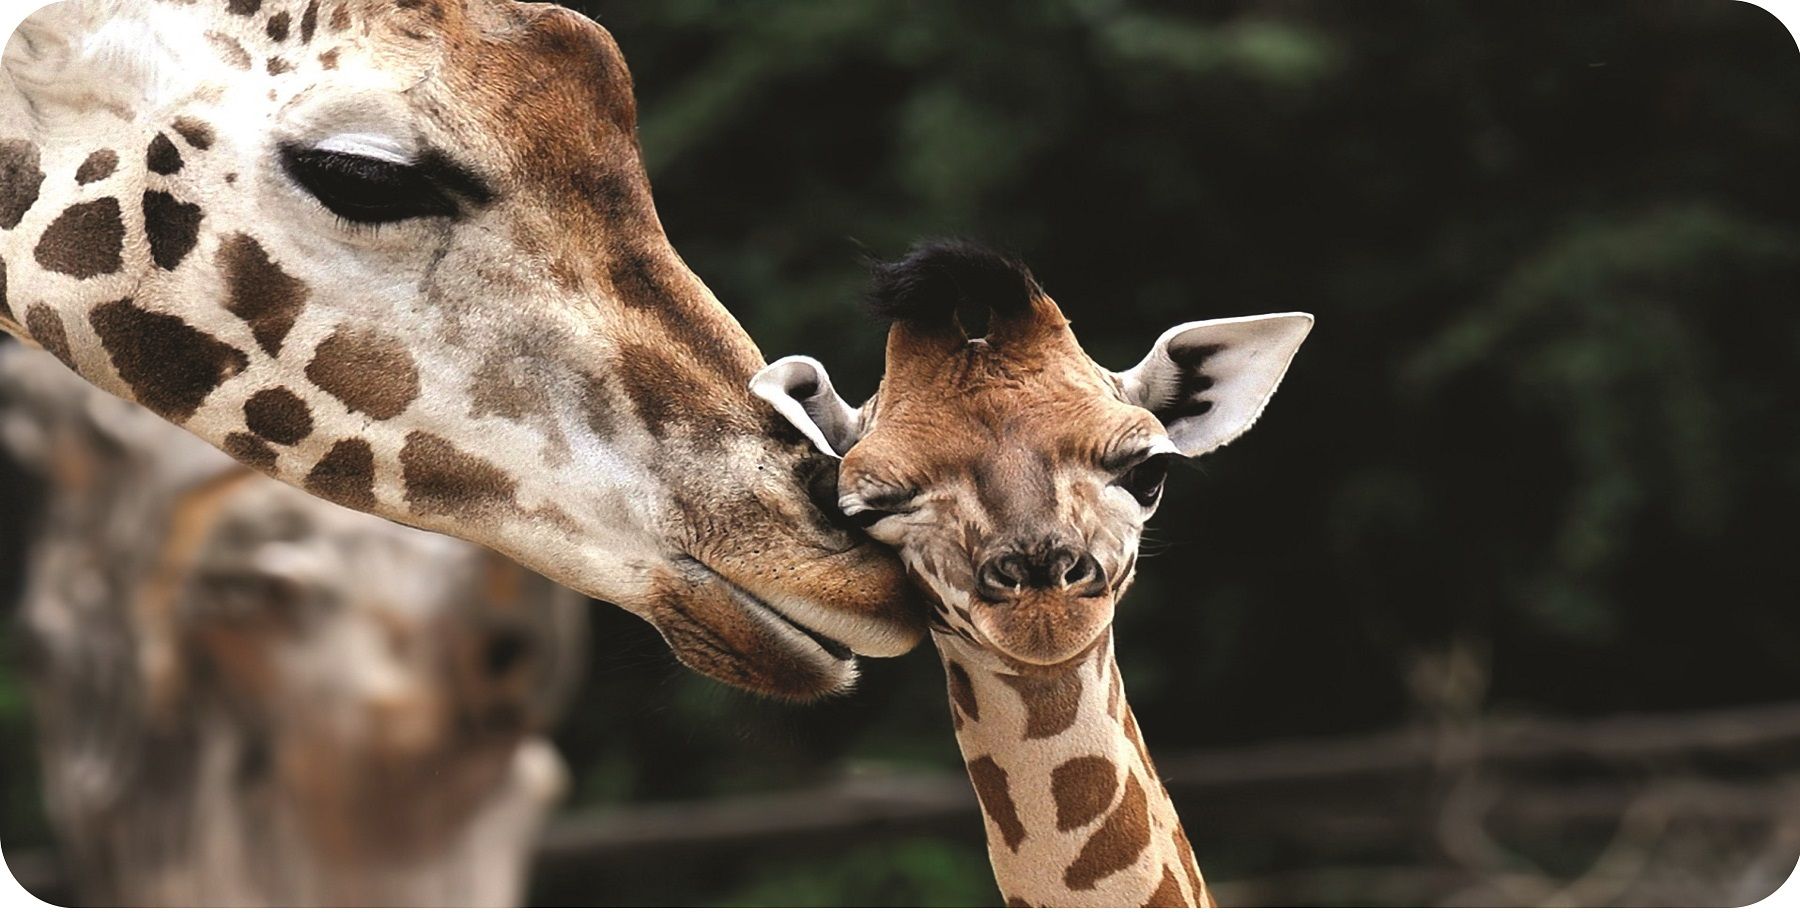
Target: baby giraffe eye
x,y
1145,481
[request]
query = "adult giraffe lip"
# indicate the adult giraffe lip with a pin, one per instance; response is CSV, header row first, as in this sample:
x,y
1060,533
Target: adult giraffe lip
x,y
756,604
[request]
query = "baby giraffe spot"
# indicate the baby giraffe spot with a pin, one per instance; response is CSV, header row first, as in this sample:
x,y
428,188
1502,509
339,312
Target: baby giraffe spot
x,y
98,165
172,226
1116,844
46,329
197,133
369,372
85,240
232,53
244,7
277,27
1082,787
1189,865
1167,894
278,66
328,59
278,415
162,157
962,691
259,292
309,21
991,789
20,180
170,366
340,18
442,480
251,451
345,475
1050,702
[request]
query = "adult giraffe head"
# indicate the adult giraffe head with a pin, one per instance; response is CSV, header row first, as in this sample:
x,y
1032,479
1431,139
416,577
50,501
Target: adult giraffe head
x,y
1012,472
403,253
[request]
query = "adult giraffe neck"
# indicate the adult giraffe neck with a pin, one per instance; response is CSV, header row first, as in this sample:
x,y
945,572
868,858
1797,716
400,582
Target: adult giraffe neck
x,y
1075,813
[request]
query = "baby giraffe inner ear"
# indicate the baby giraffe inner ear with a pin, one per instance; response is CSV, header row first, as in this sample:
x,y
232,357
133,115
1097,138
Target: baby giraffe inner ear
x,y
801,392
1208,381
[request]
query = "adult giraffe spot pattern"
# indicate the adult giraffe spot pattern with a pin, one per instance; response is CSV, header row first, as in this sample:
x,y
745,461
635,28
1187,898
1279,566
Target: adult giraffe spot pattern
x,y
172,226
442,480
20,180
251,451
98,165
962,691
1116,844
992,789
86,240
345,475
162,157
1167,894
197,133
170,366
46,329
278,415
1050,703
259,292
369,372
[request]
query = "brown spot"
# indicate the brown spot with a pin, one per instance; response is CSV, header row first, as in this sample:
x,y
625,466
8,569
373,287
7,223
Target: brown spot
x,y
278,66
1167,894
278,415
251,451
46,329
369,372
962,691
340,18
84,241
1013,901
170,366
277,27
1185,852
345,475
244,7
229,50
197,133
259,292
98,165
1082,787
442,480
20,181
666,390
1116,844
309,20
328,59
162,157
5,306
172,227
1051,700
989,779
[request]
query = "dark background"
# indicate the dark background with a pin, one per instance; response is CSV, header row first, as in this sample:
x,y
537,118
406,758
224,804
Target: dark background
x,y
1538,460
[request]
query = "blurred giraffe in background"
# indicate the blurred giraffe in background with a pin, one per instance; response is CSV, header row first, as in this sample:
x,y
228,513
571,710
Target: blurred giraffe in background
x,y
1015,475
244,695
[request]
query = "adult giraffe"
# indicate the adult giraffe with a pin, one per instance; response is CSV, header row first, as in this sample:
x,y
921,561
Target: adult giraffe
x,y
402,253
1015,475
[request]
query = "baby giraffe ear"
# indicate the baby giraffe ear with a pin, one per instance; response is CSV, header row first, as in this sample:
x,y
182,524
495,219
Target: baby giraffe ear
x,y
1208,381
801,392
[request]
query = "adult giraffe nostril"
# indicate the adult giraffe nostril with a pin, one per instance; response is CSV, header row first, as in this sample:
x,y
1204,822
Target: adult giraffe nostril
x,y
1001,577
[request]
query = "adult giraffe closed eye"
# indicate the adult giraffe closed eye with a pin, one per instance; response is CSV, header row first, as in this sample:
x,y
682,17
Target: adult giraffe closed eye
x,y
402,253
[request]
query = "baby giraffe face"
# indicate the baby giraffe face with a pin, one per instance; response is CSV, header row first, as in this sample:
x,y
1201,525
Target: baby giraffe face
x,y
1012,473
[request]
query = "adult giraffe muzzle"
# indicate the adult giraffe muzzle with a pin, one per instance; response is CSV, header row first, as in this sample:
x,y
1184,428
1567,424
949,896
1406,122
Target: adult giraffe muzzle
x,y
404,255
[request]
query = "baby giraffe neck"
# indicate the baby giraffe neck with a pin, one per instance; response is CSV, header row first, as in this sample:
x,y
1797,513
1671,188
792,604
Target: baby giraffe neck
x,y
1075,813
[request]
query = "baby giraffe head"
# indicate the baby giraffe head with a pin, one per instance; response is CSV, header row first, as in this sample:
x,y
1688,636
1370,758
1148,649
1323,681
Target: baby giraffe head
x,y
1012,472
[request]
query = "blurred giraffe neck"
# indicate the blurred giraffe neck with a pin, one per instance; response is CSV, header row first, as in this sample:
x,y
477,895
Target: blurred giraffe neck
x,y
1075,813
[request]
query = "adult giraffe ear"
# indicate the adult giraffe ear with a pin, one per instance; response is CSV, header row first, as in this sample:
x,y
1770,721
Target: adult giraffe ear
x,y
801,392
1208,381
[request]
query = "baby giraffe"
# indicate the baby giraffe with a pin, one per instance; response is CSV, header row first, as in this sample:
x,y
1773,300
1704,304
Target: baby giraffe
x,y
1014,476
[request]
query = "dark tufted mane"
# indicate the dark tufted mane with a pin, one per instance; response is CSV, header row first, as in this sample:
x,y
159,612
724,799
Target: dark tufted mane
x,y
939,278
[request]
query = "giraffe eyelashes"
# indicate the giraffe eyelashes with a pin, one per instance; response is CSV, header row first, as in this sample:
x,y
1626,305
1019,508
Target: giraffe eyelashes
x,y
375,190
1145,481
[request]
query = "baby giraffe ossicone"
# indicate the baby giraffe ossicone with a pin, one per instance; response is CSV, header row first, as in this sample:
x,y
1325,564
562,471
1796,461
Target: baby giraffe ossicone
x,y
1014,476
